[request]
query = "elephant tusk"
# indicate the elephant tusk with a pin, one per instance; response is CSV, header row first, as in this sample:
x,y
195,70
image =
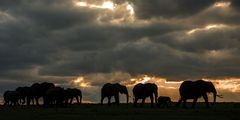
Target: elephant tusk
x,y
220,96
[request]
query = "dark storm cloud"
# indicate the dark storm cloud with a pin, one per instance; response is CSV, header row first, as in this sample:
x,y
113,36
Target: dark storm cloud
x,y
56,14
235,3
56,38
170,8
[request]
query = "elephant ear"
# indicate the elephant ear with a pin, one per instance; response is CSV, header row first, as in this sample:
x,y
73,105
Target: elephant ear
x,y
120,88
117,86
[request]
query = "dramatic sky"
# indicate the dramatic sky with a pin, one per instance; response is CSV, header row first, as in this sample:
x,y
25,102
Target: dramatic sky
x,y
86,43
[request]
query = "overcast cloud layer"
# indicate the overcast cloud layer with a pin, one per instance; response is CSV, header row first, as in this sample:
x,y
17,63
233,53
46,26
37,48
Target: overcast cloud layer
x,y
55,40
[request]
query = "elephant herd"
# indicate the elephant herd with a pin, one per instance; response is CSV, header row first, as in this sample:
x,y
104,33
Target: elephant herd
x,y
51,94
54,95
188,90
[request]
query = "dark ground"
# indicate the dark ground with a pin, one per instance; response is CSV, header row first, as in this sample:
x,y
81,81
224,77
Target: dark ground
x,y
221,111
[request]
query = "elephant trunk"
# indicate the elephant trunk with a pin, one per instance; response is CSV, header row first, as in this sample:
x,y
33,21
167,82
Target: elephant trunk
x,y
156,97
127,96
214,97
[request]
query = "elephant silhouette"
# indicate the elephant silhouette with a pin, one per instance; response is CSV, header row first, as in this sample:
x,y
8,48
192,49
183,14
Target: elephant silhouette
x,y
142,91
164,101
54,96
109,90
72,93
11,98
25,94
39,90
194,90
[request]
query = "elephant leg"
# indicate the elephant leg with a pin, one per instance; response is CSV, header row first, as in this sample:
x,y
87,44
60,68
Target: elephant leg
x,y
109,100
77,99
20,100
205,97
143,101
24,100
179,102
102,100
17,103
135,102
151,97
167,104
66,101
80,99
71,100
116,99
194,102
28,101
32,99
37,101
184,103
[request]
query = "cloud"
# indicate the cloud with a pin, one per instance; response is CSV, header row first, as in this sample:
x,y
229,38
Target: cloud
x,y
170,8
42,40
235,3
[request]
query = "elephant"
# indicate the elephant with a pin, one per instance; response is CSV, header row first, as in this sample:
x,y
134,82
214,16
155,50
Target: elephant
x,y
72,93
39,90
108,90
25,93
54,96
196,89
142,91
11,98
164,101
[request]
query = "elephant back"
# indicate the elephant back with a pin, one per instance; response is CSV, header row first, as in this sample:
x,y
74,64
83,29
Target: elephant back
x,y
40,89
54,91
109,89
192,88
24,91
72,92
45,86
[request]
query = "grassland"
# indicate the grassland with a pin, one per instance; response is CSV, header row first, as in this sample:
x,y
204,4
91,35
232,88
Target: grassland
x,y
221,111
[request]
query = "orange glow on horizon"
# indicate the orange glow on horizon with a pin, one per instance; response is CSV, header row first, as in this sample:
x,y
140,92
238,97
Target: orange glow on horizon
x,y
229,84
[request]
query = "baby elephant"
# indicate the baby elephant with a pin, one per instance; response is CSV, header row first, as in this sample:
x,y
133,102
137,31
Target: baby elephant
x,y
164,101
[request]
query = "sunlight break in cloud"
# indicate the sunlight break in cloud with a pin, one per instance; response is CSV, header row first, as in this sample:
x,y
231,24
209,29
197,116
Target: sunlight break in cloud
x,y
115,14
5,17
208,27
224,4
105,5
80,82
